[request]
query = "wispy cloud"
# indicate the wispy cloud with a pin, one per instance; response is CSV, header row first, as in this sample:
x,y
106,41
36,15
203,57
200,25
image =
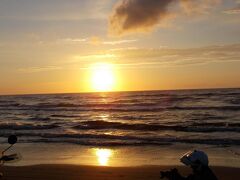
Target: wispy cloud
x,y
95,40
235,10
198,7
120,41
38,69
86,59
71,40
153,58
225,53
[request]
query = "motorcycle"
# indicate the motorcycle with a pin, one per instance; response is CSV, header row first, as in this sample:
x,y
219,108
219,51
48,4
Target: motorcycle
x,y
11,157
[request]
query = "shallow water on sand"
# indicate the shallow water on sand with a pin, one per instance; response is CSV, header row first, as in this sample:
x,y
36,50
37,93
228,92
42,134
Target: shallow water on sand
x,y
43,153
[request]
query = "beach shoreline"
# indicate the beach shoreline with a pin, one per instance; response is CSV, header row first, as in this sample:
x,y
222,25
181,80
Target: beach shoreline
x,y
72,172
57,153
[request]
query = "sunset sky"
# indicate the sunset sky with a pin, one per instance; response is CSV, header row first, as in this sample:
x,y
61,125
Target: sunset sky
x,y
57,46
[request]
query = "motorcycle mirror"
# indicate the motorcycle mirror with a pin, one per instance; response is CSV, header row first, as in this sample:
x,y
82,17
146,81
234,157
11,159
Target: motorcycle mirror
x,y
12,139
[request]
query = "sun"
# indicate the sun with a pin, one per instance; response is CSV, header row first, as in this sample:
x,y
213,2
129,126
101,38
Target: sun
x,y
102,77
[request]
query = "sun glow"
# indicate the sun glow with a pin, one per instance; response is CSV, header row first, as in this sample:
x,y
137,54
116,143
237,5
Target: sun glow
x,y
103,156
103,77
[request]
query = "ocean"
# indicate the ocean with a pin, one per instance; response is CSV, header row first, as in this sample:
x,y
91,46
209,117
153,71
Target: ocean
x,y
191,118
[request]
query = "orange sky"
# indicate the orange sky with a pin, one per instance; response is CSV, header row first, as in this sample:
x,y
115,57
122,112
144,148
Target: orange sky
x,y
52,46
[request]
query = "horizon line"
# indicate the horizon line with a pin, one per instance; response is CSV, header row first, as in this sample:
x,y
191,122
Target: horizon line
x,y
93,92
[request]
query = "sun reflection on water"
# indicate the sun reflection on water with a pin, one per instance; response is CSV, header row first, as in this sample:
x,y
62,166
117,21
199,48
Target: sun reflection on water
x,y
103,156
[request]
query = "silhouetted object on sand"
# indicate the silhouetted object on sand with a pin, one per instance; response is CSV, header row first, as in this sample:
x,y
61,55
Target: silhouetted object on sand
x,y
198,160
12,157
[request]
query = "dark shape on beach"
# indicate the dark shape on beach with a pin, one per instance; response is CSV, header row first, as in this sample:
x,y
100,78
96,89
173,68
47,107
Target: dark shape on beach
x,y
12,157
12,139
198,161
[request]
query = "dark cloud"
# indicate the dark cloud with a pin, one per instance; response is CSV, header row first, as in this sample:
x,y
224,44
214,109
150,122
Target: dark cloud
x,y
138,15
144,15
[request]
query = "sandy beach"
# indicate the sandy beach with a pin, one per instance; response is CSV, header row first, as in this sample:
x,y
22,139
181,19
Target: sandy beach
x,y
75,172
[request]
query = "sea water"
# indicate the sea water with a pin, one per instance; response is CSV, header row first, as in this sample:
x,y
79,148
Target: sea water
x,y
143,123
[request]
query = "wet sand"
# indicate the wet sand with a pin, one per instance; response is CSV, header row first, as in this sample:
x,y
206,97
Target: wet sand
x,y
76,172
